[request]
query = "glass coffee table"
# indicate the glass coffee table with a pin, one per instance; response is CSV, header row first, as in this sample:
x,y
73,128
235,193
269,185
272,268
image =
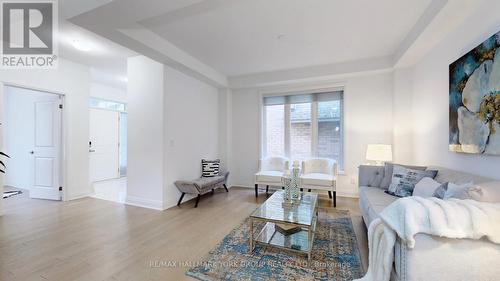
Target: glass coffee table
x,y
303,214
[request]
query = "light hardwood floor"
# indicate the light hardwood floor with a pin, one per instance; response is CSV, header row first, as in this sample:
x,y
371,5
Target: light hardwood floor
x,y
93,239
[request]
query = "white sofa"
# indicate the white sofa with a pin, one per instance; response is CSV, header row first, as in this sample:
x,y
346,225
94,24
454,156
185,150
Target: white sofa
x,y
320,174
432,258
271,170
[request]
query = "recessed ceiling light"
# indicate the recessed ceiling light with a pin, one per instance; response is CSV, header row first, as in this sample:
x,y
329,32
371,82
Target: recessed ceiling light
x,y
81,46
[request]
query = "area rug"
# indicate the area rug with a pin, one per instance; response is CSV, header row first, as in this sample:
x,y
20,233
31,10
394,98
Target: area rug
x,y
8,194
335,255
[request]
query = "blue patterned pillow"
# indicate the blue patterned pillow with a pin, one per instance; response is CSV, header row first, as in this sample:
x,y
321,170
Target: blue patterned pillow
x,y
404,180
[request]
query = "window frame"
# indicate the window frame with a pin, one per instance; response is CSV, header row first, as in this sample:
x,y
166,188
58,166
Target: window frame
x,y
93,100
314,122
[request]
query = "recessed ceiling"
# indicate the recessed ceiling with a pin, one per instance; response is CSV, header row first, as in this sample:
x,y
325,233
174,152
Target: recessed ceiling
x,y
244,43
251,36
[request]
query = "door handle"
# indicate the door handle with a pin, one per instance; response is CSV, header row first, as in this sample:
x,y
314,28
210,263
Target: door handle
x,y
32,152
91,150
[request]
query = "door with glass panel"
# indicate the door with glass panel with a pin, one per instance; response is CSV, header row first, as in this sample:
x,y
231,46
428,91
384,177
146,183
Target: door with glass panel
x,y
104,144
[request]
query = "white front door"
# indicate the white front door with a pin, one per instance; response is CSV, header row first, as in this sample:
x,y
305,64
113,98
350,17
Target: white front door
x,y
104,144
47,151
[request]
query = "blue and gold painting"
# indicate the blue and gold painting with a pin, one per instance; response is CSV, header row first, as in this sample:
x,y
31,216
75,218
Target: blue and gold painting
x,y
475,100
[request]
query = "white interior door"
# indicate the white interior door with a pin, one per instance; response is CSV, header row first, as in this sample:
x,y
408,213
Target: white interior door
x,y
104,144
47,151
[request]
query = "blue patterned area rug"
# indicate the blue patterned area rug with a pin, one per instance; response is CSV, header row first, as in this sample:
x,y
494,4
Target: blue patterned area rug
x,y
335,255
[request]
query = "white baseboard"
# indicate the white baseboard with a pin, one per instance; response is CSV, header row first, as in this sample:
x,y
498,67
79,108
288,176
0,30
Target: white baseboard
x,y
144,203
79,196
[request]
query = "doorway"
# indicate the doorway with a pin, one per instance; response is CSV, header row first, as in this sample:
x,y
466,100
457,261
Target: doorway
x,y
33,139
108,149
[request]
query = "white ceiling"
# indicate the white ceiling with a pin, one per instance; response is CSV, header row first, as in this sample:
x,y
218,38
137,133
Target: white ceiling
x,y
103,55
251,36
239,43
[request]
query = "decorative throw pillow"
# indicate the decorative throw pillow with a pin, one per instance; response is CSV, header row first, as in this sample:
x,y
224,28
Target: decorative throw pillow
x,y
404,180
441,190
458,191
210,168
486,192
388,171
426,187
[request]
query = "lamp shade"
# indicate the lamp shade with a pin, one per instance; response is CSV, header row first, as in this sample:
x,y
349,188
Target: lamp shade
x,y
379,152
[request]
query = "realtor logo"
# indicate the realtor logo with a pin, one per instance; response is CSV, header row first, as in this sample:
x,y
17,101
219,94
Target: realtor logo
x,y
28,34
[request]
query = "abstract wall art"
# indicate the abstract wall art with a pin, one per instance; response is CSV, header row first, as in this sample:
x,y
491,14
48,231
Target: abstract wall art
x,y
475,100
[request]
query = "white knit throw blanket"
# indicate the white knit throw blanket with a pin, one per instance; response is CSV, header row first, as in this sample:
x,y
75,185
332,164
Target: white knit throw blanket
x,y
409,216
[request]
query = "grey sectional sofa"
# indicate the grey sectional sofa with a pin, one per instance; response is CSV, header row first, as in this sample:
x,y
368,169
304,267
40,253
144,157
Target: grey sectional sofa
x,y
432,258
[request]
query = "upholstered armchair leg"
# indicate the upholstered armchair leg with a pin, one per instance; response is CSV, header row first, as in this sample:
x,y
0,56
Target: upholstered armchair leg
x,y
267,189
225,187
335,199
213,191
301,190
256,190
283,187
180,199
197,200
330,194
309,190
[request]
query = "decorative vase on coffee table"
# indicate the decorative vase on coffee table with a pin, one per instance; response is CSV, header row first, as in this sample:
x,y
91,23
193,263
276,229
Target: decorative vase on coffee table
x,y
291,184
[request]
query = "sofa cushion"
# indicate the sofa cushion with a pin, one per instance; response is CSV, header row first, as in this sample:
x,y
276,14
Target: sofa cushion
x,y
458,191
269,176
209,181
404,180
388,171
372,201
447,175
426,187
317,179
486,192
370,175
441,190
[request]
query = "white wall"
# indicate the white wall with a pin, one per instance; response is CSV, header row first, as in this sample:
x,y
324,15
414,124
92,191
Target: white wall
x,y
145,170
102,91
430,96
191,129
172,124
225,127
367,119
402,116
73,81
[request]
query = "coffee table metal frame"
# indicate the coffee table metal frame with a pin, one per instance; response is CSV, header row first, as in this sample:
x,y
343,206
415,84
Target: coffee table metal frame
x,y
275,212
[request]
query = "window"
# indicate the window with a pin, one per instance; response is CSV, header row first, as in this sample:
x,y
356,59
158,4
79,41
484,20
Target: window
x,y
275,129
300,131
303,126
106,104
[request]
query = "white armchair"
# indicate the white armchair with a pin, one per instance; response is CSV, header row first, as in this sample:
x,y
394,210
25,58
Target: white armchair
x,y
271,170
320,174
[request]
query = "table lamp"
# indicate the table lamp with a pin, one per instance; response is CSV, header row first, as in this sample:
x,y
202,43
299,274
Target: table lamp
x,y
379,153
